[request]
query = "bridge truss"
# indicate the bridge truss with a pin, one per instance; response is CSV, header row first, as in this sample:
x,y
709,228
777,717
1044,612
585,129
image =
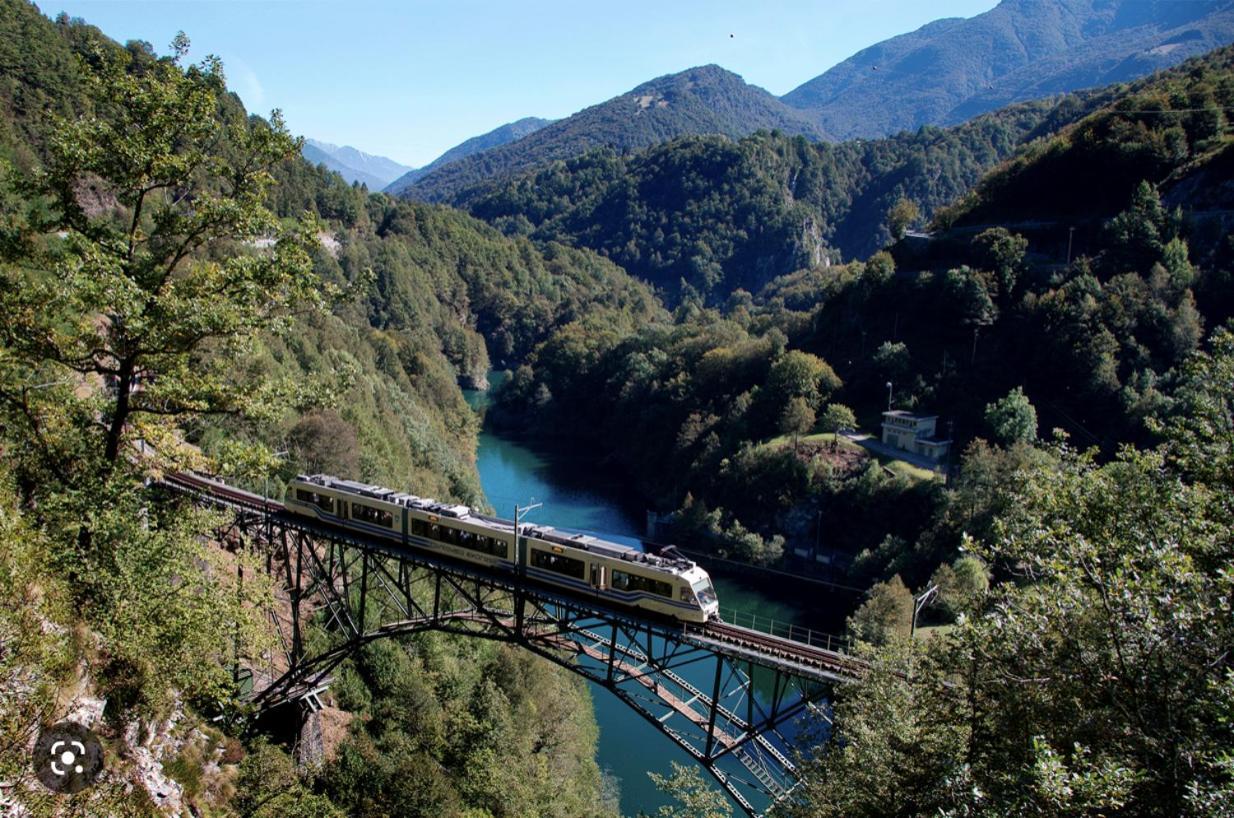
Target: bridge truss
x,y
760,690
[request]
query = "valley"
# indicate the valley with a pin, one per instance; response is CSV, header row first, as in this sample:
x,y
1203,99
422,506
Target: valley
x,y
668,317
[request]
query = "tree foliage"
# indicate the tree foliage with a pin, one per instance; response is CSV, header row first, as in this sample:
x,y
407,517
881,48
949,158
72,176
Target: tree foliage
x,y
149,274
1094,678
1012,418
886,613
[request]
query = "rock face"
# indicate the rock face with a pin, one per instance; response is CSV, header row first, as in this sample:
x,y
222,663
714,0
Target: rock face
x,y
952,70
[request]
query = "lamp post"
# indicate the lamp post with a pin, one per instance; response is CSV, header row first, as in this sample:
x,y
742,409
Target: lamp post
x,y
918,603
888,396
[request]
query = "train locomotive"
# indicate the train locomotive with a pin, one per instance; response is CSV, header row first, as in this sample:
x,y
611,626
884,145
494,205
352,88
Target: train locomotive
x,y
615,574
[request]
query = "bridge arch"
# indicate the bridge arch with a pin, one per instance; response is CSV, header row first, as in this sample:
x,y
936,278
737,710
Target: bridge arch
x,y
363,589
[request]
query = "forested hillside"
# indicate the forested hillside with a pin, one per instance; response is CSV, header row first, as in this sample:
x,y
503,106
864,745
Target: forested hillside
x,y
953,69
501,135
266,304
704,100
720,215
968,319
1075,584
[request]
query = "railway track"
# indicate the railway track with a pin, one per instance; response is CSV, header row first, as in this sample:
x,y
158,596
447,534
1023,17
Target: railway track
x,y
766,644
740,639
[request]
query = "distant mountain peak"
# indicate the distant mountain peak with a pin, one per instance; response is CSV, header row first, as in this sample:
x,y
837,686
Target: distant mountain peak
x,y
705,99
353,164
952,69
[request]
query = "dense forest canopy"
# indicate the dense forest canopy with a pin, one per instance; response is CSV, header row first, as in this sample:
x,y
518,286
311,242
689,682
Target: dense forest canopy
x,y
702,100
175,279
717,215
282,309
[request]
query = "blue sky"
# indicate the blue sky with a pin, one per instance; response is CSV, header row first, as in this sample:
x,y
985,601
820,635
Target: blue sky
x,y
411,79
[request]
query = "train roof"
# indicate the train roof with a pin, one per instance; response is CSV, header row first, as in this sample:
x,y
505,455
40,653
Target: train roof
x,y
673,561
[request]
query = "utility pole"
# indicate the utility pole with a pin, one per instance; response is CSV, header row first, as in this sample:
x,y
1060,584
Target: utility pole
x,y
520,601
265,492
920,602
1070,236
950,446
518,527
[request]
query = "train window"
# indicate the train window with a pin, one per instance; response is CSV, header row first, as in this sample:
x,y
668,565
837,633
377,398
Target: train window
x,y
322,501
368,514
491,545
419,527
559,564
633,582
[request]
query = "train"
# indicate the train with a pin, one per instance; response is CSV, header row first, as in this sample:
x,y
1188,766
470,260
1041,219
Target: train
x,y
666,584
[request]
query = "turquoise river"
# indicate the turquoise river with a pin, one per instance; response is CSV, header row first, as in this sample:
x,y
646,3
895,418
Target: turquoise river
x,y
577,494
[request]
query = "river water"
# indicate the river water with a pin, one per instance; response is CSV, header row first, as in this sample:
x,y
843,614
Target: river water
x,y
576,494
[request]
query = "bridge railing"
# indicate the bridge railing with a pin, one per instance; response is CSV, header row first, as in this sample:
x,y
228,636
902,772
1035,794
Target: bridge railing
x,y
785,630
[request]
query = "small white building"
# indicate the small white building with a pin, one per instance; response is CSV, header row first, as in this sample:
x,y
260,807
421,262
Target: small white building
x,y
914,433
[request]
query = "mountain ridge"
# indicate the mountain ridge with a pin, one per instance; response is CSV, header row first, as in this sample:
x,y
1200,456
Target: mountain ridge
x,y
353,164
953,69
501,135
701,100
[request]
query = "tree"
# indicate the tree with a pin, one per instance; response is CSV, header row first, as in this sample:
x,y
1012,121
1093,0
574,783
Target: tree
x,y
887,612
837,416
695,797
796,419
1003,252
898,743
1012,418
797,374
323,442
129,314
140,314
961,584
268,786
1139,234
1096,680
891,359
901,216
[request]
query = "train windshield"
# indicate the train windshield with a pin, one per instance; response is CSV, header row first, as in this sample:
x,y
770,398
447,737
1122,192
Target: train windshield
x,y
705,593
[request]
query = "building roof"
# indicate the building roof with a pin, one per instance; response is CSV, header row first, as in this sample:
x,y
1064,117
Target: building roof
x,y
933,441
900,413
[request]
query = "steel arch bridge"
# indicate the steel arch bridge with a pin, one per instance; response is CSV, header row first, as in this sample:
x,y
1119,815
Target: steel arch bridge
x,y
362,588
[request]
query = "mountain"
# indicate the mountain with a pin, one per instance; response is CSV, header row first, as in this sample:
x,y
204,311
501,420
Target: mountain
x,y
354,165
722,215
953,69
705,100
510,132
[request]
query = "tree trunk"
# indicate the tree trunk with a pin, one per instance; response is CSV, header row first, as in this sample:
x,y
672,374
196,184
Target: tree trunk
x,y
120,416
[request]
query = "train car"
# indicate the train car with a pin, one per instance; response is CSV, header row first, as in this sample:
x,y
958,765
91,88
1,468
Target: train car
x,y
614,573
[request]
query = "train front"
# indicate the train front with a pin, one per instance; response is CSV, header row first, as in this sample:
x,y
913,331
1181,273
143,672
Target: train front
x,y
704,591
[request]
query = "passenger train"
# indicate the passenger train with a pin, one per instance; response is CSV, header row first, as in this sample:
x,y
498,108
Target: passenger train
x,y
615,574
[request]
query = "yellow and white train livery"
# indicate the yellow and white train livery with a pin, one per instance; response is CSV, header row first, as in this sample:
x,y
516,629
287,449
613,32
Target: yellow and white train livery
x,y
613,573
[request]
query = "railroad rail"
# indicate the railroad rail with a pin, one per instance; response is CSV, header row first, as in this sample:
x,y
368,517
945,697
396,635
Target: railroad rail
x,y
732,697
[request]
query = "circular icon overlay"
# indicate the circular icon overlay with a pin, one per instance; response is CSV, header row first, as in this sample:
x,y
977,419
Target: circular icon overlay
x,y
67,757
